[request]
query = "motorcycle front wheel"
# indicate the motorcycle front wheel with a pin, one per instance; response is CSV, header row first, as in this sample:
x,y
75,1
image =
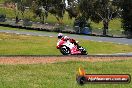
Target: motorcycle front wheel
x,y
83,50
65,50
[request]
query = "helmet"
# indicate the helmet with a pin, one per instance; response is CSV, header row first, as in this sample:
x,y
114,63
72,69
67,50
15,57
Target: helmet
x,y
60,35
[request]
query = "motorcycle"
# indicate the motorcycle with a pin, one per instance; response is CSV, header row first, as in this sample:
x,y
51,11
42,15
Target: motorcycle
x,y
68,48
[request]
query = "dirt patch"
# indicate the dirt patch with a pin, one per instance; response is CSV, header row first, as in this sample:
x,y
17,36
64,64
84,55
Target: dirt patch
x,y
44,60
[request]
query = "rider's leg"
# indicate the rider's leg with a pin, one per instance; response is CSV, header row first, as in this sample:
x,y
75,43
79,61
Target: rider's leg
x,y
76,44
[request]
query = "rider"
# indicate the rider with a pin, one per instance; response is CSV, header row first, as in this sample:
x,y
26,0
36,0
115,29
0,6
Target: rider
x,y
65,38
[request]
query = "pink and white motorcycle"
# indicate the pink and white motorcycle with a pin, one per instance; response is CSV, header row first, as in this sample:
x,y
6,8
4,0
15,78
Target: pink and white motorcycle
x,y
68,48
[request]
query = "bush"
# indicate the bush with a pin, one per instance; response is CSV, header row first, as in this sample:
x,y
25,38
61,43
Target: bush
x,y
2,18
27,22
127,17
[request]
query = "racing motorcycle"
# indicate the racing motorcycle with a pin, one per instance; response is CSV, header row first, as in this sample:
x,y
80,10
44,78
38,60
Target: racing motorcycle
x,y
68,48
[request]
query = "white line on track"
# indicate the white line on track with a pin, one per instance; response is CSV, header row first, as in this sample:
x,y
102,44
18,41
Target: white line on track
x,y
18,33
100,41
120,53
100,54
127,44
40,35
51,36
27,34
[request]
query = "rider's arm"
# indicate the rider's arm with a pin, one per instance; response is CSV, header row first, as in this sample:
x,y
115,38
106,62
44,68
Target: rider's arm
x,y
72,40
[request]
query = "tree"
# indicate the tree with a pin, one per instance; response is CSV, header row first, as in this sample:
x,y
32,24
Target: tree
x,y
55,7
39,11
72,8
127,17
20,5
15,8
58,9
99,10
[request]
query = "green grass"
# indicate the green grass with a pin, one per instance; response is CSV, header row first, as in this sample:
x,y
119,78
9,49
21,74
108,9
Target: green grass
x,y
8,12
60,75
114,24
13,44
7,28
114,27
66,19
26,45
2,1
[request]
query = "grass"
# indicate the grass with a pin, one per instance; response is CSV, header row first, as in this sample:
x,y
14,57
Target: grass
x,y
13,44
7,28
114,24
26,45
2,1
114,27
9,12
60,75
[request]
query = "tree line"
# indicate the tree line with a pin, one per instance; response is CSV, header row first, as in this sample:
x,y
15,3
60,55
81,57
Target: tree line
x,y
83,11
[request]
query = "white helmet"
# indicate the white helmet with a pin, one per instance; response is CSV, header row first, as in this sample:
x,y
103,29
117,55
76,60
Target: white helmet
x,y
60,35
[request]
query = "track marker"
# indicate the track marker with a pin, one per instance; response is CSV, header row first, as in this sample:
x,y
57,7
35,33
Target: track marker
x,y
100,41
51,36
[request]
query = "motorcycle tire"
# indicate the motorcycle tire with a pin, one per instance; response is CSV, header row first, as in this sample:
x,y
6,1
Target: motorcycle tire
x,y
65,50
83,51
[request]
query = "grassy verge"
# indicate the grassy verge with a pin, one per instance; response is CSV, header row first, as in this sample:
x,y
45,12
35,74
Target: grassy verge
x,y
7,28
60,75
2,1
13,44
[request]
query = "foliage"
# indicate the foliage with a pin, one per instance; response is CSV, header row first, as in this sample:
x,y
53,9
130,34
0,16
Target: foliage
x,y
80,21
56,7
127,17
99,10
20,6
73,9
